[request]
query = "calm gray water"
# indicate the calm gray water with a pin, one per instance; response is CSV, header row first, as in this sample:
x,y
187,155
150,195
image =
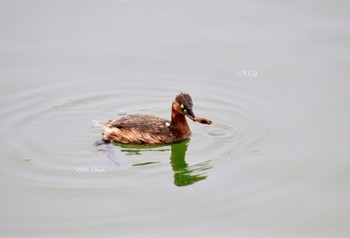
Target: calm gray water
x,y
273,76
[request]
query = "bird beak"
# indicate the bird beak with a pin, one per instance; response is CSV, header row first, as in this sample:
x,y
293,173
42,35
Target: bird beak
x,y
189,114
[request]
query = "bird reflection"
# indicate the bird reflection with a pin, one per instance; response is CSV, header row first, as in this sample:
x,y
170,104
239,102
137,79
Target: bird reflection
x,y
184,174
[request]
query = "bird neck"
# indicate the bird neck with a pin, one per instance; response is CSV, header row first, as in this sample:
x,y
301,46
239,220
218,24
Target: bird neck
x,y
178,120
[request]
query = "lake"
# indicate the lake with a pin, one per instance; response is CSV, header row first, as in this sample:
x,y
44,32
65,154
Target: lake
x,y
272,76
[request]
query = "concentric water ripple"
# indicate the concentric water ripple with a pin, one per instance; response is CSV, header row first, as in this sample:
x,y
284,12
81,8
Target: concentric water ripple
x,y
56,135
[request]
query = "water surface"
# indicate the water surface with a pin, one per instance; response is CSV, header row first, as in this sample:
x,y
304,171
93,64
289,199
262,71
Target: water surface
x,y
273,77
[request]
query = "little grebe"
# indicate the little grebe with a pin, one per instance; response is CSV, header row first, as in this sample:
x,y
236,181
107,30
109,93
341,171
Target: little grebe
x,y
147,129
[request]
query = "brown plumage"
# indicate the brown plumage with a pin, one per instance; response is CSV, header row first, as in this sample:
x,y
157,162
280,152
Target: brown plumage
x,y
147,129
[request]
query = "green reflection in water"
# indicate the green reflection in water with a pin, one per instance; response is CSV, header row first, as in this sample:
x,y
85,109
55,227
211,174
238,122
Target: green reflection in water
x,y
183,173
146,163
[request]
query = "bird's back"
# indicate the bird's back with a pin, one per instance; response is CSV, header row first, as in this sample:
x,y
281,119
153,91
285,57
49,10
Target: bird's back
x,y
139,129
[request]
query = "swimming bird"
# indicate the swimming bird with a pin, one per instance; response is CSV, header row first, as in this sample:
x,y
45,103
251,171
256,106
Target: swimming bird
x,y
152,130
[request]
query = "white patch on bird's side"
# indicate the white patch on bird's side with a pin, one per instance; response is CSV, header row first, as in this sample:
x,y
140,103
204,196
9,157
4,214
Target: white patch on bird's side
x,y
182,106
167,123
